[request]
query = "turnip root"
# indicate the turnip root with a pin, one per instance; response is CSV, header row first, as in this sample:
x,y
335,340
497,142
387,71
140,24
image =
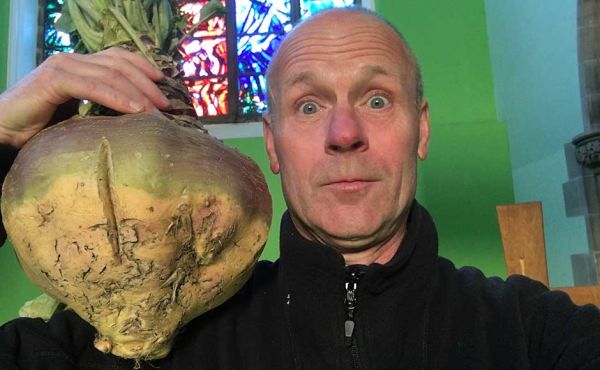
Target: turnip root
x,y
136,223
139,223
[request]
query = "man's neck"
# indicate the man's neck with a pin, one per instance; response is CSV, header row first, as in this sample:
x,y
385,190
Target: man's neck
x,y
381,254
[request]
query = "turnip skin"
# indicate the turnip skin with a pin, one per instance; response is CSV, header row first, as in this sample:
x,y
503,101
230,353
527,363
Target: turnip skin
x,y
136,223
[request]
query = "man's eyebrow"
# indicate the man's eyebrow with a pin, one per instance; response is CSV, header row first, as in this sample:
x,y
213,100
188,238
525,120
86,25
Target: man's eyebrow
x,y
301,77
370,71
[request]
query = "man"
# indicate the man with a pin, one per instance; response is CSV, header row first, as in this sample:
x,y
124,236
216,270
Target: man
x,y
359,284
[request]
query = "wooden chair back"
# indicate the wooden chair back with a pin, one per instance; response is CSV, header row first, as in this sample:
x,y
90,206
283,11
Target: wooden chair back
x,y
522,231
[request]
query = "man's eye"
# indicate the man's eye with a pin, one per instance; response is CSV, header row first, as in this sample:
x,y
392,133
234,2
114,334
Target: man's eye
x,y
308,108
377,102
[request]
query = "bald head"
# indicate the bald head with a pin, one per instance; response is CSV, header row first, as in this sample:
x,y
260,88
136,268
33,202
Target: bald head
x,y
335,21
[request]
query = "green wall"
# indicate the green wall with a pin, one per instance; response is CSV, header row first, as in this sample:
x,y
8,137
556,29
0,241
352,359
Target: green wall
x,y
14,286
15,289
467,172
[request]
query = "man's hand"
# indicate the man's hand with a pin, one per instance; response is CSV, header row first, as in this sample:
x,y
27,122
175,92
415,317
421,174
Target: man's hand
x,y
115,78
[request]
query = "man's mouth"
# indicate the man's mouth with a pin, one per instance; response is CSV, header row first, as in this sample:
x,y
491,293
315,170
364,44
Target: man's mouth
x,y
349,185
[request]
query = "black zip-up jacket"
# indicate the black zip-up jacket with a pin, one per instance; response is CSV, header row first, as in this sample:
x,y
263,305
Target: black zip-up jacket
x,y
307,311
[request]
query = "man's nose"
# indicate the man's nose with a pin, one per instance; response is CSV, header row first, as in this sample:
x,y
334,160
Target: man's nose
x,y
345,132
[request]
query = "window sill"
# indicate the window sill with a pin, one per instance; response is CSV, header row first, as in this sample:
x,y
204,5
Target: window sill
x,y
235,130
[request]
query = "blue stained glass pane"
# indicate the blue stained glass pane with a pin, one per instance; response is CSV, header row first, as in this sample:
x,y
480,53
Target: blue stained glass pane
x,y
252,94
255,52
309,7
263,16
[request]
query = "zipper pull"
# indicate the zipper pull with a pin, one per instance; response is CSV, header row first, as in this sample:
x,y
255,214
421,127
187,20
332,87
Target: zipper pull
x,y
353,275
350,302
349,329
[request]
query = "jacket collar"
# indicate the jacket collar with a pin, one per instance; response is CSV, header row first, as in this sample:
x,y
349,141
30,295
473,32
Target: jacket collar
x,y
311,262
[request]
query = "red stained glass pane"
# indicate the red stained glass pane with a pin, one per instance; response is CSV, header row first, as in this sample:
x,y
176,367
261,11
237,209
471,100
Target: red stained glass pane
x,y
204,54
214,27
210,96
207,57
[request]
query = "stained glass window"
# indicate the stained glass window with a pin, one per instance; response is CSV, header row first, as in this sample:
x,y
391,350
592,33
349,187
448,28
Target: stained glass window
x,y
309,7
204,62
260,29
224,67
54,41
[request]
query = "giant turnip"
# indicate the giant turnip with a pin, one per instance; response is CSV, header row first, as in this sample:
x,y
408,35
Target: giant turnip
x,y
140,222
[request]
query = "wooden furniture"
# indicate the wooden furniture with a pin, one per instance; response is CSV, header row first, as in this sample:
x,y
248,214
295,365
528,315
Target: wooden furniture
x,y
522,231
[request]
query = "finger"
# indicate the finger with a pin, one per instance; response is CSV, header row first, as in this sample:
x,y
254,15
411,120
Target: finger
x,y
29,104
140,75
98,91
136,77
137,60
63,78
129,80
74,76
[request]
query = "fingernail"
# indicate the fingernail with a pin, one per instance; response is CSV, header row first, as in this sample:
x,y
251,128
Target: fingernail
x,y
136,107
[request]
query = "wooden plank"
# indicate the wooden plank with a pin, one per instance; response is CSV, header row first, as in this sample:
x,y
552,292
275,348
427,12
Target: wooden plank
x,y
583,294
522,231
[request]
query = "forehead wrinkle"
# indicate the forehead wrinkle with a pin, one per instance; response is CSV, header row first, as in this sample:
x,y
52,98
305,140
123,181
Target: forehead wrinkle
x,y
305,49
392,68
311,53
341,39
309,77
344,42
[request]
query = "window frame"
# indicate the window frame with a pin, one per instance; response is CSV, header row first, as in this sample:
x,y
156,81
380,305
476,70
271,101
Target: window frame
x,y
22,46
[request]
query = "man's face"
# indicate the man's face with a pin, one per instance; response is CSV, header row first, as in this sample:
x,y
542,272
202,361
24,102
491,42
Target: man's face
x,y
346,132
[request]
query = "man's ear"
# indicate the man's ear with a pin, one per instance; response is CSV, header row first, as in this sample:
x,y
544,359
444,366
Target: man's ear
x,y
270,143
423,130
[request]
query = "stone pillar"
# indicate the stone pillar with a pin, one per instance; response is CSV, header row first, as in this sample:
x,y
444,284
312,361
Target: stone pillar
x,y
582,191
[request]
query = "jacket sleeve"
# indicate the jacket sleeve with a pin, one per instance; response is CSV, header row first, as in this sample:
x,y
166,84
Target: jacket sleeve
x,y
7,157
562,334
570,331
66,342
34,344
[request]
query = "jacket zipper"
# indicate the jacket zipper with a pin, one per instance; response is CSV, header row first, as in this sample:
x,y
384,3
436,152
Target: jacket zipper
x,y
353,276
